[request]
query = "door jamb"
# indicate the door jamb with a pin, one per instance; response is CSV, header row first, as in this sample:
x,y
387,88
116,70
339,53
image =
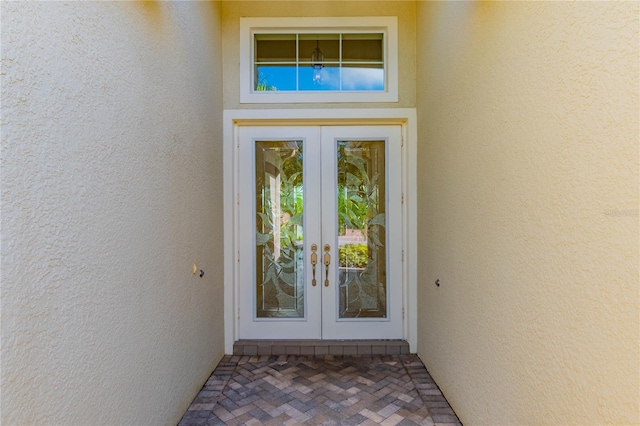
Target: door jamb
x,y
233,119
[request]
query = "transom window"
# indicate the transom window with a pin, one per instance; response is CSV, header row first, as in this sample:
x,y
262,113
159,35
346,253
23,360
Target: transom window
x,y
318,60
310,62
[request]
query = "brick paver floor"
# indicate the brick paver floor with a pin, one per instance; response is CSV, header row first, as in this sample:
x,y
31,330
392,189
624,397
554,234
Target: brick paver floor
x,y
330,390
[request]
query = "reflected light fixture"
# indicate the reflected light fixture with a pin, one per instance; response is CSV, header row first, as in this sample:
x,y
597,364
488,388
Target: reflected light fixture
x,y
317,59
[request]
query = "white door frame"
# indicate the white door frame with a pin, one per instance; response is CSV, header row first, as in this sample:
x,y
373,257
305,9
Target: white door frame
x,y
233,119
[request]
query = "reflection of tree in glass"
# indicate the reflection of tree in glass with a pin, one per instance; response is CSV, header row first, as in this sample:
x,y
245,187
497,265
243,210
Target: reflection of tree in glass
x,y
262,85
357,191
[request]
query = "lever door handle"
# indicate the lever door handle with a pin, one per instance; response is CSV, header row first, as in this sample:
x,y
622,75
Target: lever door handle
x,y
327,262
314,262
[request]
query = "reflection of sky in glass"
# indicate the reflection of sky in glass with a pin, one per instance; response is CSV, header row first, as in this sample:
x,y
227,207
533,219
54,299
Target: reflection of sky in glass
x,y
283,77
329,79
362,79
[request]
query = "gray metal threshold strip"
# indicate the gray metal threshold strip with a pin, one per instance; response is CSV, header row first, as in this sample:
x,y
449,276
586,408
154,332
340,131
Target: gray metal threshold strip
x,y
320,347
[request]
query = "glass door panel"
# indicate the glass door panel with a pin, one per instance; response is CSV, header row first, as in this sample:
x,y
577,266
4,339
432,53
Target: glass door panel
x,y
362,269
279,230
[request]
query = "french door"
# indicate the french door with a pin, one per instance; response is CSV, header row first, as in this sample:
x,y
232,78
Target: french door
x,y
320,232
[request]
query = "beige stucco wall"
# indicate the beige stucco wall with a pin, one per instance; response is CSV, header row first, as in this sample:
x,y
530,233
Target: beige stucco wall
x,y
528,209
404,10
111,189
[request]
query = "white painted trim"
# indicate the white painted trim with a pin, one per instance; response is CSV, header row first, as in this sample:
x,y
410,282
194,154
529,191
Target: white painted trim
x,y
406,117
386,24
230,243
410,211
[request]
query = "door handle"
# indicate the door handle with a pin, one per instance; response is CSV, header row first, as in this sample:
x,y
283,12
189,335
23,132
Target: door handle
x,y
327,262
314,262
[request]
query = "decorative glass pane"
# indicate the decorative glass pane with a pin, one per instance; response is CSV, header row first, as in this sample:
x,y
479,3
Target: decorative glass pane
x,y
362,269
279,230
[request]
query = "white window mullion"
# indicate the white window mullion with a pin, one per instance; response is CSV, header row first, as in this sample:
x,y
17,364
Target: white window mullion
x,y
340,59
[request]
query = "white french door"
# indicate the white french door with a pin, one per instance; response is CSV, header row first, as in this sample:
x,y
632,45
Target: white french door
x,y
320,232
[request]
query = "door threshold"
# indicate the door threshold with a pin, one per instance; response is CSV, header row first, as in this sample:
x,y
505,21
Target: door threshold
x,y
320,347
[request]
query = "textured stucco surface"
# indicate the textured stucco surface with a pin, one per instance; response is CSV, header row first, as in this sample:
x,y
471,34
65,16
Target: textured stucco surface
x,y
528,209
404,10
111,171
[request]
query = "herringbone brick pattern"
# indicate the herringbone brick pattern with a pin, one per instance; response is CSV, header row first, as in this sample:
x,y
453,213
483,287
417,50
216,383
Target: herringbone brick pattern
x,y
329,390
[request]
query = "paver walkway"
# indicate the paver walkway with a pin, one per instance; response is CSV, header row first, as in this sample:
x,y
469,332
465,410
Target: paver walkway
x,y
329,390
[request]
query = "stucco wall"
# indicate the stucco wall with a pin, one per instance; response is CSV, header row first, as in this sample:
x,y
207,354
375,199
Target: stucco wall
x,y
404,10
528,209
111,190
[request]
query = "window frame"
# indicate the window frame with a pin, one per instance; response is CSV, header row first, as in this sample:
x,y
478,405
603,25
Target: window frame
x,y
388,25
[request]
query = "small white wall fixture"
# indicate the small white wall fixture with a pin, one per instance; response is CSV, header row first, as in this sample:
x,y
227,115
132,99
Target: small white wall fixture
x,y
234,119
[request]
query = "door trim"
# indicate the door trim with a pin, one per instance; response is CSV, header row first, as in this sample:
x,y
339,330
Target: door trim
x,y
233,119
